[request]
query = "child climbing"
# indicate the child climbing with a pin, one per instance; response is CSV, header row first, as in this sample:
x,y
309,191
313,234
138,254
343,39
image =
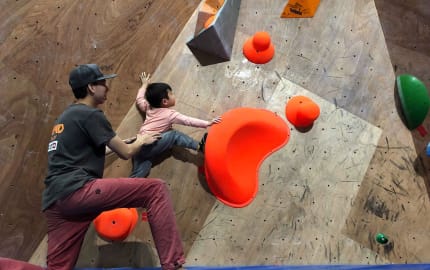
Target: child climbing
x,y
156,101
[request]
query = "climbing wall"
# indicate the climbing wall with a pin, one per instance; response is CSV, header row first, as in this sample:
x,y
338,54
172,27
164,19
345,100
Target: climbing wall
x,y
306,190
323,197
40,41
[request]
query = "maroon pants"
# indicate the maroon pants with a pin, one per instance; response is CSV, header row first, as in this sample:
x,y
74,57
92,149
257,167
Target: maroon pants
x,y
68,220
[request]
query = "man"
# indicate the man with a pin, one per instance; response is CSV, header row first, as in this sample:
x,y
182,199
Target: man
x,y
75,192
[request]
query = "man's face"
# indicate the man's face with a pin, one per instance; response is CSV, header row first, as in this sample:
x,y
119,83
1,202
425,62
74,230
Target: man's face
x,y
100,90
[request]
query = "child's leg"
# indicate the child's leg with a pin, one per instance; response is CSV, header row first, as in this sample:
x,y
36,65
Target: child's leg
x,y
177,138
105,194
166,142
141,168
141,162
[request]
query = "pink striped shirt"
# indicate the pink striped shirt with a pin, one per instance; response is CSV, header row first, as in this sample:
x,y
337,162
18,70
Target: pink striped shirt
x,y
162,119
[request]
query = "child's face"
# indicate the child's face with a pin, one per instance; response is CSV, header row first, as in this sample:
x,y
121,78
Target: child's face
x,y
171,101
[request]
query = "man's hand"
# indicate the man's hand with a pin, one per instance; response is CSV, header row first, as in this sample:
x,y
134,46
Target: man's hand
x,y
129,140
126,151
145,77
147,138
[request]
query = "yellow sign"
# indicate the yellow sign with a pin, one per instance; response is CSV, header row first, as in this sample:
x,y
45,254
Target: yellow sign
x,y
300,9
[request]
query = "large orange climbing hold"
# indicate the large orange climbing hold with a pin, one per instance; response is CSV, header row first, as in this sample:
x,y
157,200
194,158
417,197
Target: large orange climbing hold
x,y
301,111
116,224
259,48
235,149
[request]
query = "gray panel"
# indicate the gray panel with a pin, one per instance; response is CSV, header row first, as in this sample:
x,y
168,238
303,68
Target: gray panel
x,y
214,44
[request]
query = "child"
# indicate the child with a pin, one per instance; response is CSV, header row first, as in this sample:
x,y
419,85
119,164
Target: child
x,y
156,100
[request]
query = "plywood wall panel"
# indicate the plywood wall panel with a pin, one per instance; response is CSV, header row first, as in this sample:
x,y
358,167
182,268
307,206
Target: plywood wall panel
x,y
340,55
11,12
40,42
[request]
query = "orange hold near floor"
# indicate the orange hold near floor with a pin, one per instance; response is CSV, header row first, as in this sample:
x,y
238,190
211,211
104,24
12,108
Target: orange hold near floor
x,y
116,224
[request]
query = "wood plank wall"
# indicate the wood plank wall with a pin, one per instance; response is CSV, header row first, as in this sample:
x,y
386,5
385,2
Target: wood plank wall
x,y
40,41
394,197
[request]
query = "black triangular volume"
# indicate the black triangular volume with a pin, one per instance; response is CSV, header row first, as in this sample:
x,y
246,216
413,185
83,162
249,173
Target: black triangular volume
x,y
214,44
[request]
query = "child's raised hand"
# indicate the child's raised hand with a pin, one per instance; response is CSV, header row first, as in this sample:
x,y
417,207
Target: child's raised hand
x,y
145,77
216,120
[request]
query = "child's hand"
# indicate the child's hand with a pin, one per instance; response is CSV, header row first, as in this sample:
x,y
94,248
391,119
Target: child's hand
x,y
215,121
145,77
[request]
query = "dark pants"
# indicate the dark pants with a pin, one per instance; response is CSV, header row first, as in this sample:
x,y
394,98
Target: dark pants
x,y
68,220
142,161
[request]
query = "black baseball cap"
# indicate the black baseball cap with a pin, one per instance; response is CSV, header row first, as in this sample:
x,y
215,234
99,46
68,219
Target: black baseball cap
x,y
83,75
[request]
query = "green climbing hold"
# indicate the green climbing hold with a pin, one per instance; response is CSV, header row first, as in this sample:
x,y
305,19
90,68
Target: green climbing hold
x,y
381,238
414,99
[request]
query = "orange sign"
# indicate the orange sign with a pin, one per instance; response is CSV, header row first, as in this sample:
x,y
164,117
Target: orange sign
x,y
300,8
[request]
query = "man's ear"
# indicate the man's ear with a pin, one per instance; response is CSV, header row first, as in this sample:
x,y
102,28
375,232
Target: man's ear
x,y
90,89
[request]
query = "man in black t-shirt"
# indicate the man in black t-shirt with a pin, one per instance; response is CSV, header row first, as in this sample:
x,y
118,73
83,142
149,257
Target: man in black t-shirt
x,y
75,192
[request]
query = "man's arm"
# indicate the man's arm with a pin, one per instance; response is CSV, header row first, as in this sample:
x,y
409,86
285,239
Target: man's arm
x,y
126,151
127,141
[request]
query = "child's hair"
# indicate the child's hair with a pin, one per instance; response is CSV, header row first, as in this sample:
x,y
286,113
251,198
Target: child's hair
x,y
155,92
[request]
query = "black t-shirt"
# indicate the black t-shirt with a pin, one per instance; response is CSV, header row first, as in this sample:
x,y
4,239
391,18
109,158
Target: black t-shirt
x,y
76,151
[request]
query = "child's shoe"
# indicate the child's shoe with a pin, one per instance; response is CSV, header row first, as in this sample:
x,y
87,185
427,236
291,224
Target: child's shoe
x,y
202,143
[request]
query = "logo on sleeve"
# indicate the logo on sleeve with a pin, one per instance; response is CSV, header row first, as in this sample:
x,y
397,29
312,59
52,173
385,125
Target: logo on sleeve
x,y
57,130
52,146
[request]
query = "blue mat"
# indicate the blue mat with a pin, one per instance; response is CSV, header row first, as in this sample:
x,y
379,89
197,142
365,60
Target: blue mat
x,y
289,267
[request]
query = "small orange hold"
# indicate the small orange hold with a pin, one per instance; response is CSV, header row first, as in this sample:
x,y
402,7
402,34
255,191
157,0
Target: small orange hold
x,y
261,41
209,21
259,49
301,111
116,224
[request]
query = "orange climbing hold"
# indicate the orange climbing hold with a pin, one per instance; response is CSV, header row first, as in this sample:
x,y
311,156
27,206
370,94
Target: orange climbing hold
x,y
300,8
207,14
116,224
235,149
209,21
259,48
301,111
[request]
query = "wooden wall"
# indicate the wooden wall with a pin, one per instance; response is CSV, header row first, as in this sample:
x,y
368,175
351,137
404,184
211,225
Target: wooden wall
x,y
394,197
40,41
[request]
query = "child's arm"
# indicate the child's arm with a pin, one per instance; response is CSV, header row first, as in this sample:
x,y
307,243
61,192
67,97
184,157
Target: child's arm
x,y
194,122
140,99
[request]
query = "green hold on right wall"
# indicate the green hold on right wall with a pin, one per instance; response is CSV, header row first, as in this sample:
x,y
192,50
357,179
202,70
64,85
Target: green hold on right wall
x,y
414,99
